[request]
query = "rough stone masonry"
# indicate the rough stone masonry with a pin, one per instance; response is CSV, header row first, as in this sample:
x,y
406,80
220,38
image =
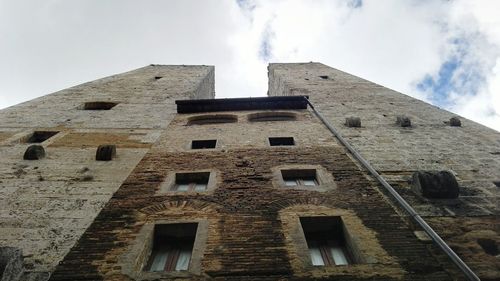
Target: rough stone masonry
x,y
70,217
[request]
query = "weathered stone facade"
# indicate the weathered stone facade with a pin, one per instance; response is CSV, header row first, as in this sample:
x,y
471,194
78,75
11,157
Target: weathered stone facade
x,y
470,151
46,204
248,218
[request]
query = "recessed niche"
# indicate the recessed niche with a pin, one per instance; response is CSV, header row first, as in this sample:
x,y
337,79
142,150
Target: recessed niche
x,y
489,246
39,136
281,141
99,105
212,119
203,144
272,116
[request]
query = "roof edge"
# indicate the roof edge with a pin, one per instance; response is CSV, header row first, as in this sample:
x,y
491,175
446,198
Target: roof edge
x,y
236,104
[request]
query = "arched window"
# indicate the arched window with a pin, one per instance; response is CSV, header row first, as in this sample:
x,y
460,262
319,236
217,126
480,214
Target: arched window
x,y
212,119
272,116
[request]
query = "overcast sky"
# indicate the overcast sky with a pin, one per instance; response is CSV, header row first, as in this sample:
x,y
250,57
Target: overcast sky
x,y
444,52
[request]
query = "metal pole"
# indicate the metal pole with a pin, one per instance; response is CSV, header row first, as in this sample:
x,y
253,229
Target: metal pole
x,y
418,219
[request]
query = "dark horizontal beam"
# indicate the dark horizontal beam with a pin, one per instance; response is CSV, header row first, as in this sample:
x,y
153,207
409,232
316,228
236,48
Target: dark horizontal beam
x,y
212,105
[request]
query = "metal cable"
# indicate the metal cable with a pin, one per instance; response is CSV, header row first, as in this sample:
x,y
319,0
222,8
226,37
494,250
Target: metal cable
x,y
413,214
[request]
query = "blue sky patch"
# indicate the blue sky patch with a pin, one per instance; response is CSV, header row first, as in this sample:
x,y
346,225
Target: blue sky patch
x,y
355,3
265,48
441,86
248,5
454,76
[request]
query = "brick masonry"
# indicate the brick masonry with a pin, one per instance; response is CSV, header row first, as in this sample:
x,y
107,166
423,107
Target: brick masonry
x,y
251,216
250,220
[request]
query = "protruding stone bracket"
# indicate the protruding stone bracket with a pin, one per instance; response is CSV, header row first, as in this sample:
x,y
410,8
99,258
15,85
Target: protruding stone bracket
x,y
105,152
353,122
455,122
34,152
403,121
435,184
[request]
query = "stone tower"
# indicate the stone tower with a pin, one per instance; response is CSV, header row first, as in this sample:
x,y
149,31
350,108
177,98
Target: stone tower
x,y
145,176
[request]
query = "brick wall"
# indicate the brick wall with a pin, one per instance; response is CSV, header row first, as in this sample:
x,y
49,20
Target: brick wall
x,y
249,213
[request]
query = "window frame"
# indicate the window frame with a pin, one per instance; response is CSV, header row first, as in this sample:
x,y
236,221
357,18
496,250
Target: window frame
x,y
300,177
322,178
172,252
170,184
325,241
369,255
191,180
134,260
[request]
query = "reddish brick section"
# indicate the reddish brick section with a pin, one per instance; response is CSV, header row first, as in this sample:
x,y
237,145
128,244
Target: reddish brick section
x,y
248,241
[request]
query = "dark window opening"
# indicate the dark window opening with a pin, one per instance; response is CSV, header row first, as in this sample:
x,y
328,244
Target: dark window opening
x,y
281,141
326,241
489,246
99,105
203,144
40,136
158,77
305,177
323,76
496,183
212,119
272,116
191,181
172,247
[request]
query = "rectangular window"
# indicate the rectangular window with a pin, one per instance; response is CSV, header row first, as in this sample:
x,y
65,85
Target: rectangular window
x,y
282,141
172,247
40,136
191,181
326,241
99,105
306,177
203,144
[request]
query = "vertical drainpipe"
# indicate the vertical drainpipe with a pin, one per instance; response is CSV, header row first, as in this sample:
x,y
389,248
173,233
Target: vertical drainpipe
x,y
402,203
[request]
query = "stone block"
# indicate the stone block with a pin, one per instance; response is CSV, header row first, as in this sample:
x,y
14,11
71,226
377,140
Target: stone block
x,y
435,184
105,152
353,122
403,121
34,152
455,122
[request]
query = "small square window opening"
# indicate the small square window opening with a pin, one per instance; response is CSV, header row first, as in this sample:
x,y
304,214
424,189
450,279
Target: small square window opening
x,y
172,247
326,241
203,144
40,136
281,141
99,105
191,181
300,177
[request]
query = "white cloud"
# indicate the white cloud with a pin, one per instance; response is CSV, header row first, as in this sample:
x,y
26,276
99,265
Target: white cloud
x,y
50,45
